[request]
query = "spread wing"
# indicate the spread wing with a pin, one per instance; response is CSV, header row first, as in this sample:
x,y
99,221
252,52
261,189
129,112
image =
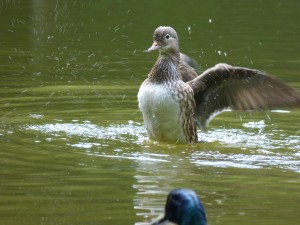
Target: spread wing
x,y
224,86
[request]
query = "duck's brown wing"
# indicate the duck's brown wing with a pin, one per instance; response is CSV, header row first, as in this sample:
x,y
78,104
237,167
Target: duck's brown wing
x,y
188,68
224,86
190,61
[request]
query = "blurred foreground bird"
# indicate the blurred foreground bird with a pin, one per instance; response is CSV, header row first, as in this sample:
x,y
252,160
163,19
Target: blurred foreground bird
x,y
174,99
183,207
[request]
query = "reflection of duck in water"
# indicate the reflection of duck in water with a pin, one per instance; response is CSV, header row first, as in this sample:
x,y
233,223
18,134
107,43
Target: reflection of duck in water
x,y
172,108
183,207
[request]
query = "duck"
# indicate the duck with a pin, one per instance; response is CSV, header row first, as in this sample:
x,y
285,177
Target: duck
x,y
175,100
183,207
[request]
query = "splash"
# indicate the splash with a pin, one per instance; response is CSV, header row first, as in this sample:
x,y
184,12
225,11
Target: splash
x,y
252,148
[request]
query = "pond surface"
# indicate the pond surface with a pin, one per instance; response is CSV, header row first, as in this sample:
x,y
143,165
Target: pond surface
x,y
73,146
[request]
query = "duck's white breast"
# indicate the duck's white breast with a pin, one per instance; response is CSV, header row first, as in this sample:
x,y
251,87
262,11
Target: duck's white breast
x,y
161,112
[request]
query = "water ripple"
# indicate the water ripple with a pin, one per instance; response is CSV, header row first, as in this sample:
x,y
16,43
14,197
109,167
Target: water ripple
x,y
251,161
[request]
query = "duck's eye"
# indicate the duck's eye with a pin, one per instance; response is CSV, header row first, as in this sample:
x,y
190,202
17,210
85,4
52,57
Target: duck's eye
x,y
167,36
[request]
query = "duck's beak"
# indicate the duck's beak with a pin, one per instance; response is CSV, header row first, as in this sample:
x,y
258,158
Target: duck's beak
x,y
161,220
156,45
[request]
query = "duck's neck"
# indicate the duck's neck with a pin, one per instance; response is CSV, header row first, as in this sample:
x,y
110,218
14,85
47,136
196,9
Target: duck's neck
x,y
166,68
194,218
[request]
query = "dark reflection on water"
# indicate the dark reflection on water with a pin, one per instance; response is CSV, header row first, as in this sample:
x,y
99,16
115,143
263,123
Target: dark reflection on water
x,y
73,148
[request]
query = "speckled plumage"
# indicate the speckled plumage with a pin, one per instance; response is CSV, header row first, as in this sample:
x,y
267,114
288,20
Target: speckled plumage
x,y
164,122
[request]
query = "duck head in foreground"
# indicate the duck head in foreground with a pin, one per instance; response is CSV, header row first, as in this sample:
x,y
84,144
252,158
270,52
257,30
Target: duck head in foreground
x,y
174,99
183,207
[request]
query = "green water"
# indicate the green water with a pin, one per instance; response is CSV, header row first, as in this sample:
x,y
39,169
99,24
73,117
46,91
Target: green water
x,y
73,147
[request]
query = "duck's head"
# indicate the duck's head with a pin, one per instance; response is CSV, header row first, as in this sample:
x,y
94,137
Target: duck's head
x,y
183,207
166,40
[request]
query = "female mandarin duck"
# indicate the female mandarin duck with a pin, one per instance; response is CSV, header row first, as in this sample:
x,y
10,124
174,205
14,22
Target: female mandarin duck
x,y
183,207
174,99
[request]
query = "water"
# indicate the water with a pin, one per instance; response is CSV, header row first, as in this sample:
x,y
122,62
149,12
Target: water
x,y
73,146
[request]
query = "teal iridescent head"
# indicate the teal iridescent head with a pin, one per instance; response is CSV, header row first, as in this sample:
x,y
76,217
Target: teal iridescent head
x,y
183,207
